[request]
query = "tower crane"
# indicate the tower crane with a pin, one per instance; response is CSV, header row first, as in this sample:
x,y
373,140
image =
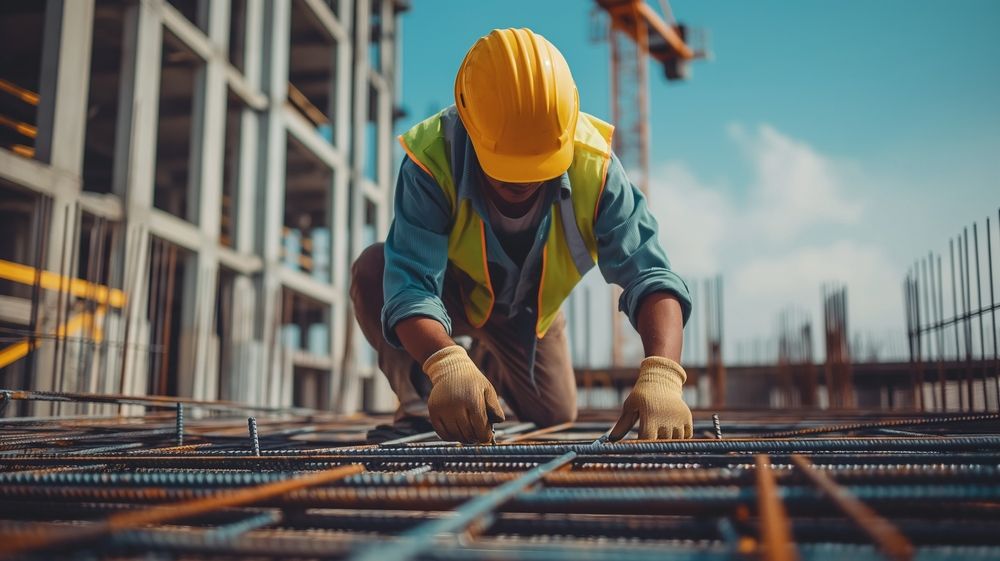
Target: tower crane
x,y
636,33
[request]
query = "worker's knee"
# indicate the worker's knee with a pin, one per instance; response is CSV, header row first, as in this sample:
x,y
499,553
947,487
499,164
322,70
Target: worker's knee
x,y
366,277
553,414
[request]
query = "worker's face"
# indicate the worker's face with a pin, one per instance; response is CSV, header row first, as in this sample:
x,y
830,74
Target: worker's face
x,y
514,192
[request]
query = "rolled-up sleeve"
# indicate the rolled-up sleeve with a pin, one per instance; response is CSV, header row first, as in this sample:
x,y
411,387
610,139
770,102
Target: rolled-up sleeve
x,y
628,246
416,251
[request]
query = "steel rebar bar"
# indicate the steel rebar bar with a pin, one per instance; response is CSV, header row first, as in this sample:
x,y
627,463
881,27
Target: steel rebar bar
x,y
889,539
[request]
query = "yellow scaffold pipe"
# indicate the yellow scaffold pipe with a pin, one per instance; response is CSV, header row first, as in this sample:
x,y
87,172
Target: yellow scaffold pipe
x,y
23,274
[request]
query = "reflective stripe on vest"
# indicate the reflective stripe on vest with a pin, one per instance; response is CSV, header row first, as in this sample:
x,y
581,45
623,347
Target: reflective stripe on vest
x,y
571,246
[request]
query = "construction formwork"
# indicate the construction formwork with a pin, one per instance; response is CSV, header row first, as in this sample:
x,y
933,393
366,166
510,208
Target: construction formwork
x,y
183,186
196,480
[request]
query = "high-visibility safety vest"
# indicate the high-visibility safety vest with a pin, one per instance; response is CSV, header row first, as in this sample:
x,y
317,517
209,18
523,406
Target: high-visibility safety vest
x,y
571,247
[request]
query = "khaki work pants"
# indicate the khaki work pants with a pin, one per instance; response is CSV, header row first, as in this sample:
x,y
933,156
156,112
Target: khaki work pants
x,y
496,350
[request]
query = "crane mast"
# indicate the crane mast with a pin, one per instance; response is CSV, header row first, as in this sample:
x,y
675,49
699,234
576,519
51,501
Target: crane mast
x,y
636,32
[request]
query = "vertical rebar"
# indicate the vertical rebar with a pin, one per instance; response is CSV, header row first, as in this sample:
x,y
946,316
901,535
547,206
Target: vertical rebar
x,y
36,292
911,331
254,439
918,380
180,424
928,330
718,313
979,312
940,333
954,307
168,318
154,307
967,320
707,334
62,307
691,329
960,324
87,337
103,271
926,305
74,262
993,307
718,426
954,297
934,327
129,270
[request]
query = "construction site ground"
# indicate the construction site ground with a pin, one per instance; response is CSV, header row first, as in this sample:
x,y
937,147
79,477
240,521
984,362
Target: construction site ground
x,y
198,480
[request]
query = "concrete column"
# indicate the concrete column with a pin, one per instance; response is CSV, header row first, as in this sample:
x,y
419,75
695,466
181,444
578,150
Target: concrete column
x,y
135,162
66,72
200,363
61,124
271,190
244,312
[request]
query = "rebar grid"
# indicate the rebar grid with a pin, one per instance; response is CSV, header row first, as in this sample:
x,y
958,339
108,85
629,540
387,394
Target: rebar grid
x,y
933,386
202,481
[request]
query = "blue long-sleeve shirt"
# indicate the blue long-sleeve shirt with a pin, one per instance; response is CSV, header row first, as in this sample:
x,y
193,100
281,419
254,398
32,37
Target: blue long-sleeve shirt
x,y
416,249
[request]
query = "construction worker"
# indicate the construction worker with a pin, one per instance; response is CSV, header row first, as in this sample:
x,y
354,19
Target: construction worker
x,y
504,200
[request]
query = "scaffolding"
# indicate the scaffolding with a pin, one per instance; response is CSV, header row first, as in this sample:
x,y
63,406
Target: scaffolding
x,y
217,163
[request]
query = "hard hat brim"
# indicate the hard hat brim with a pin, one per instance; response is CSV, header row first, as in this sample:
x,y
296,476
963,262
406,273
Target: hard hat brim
x,y
520,168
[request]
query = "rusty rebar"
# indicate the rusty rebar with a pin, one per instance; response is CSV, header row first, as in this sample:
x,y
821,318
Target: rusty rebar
x,y
893,543
775,529
938,486
993,309
127,520
954,306
421,538
906,422
979,307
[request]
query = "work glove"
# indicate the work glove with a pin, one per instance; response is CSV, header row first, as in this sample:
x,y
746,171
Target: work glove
x,y
656,403
462,403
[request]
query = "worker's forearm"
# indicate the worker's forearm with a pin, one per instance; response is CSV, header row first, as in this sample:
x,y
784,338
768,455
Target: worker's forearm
x,y
422,337
661,325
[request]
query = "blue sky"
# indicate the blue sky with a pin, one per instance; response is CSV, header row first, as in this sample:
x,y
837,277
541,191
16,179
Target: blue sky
x,y
824,142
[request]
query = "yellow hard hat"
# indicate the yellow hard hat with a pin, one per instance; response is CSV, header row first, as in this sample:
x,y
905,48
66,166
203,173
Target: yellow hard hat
x,y
518,102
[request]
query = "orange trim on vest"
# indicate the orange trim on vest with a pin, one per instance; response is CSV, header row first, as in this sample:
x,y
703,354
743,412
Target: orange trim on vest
x,y
541,287
412,157
604,180
604,175
486,270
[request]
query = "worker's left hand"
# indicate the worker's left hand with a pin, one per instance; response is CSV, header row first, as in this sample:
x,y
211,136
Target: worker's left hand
x,y
656,403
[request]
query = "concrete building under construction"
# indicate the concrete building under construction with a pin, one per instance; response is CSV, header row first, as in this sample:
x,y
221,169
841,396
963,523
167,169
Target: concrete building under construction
x,y
183,186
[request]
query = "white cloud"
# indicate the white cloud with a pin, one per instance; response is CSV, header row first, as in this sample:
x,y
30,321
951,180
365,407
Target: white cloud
x,y
777,244
693,219
769,284
794,186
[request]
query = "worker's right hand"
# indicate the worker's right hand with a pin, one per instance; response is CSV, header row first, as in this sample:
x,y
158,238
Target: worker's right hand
x,y
462,403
